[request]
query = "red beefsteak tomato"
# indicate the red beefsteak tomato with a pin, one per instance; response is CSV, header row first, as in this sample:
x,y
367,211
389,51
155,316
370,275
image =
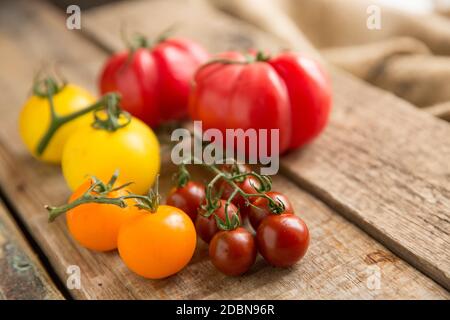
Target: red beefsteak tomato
x,y
289,92
154,82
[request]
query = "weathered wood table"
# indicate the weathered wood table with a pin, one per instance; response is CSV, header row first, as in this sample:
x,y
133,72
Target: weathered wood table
x,y
374,188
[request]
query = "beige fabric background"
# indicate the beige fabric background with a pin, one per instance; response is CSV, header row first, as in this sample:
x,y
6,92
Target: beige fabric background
x,y
409,55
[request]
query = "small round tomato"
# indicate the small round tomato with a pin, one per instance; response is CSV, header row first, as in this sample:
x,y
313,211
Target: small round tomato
x,y
187,198
282,239
249,185
260,207
157,245
133,150
34,120
207,227
233,252
94,225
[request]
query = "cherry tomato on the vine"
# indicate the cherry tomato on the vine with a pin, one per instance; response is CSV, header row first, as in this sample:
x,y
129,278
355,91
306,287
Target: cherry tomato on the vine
x,y
282,239
188,198
154,82
249,185
157,245
96,226
207,227
260,208
233,252
288,92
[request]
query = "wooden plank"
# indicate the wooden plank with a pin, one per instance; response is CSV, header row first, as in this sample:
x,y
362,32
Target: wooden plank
x,y
341,261
22,276
189,18
381,163
385,166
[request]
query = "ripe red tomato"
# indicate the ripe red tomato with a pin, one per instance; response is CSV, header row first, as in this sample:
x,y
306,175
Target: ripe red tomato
x,y
288,92
207,227
249,185
233,252
261,208
154,82
282,239
187,198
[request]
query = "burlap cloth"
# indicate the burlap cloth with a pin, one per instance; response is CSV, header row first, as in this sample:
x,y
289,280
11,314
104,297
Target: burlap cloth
x,y
409,55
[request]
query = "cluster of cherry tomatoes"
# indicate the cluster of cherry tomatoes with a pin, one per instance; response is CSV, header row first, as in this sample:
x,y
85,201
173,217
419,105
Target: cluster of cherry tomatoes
x,y
281,238
171,79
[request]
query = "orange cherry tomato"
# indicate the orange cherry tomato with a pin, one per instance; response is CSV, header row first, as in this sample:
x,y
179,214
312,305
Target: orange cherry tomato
x,y
96,226
157,245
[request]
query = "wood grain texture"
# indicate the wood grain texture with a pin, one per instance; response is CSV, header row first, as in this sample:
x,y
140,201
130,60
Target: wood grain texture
x,y
341,262
385,166
192,18
381,163
22,277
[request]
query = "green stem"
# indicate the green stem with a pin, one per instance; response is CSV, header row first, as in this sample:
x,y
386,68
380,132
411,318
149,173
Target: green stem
x,y
58,121
55,212
98,193
276,206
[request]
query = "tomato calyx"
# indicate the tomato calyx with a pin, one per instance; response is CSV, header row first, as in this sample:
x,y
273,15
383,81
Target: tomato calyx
x,y
260,56
98,193
115,119
182,176
140,41
41,87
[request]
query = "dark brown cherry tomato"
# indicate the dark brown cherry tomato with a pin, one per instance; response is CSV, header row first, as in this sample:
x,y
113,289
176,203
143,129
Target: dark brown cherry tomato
x,y
233,252
207,227
187,198
282,239
249,185
261,209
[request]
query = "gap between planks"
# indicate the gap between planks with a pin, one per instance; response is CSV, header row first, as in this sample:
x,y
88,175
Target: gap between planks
x,y
23,276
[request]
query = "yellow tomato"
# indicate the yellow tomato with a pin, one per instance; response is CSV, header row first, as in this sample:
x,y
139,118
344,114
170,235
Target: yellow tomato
x,y
35,117
133,150
157,245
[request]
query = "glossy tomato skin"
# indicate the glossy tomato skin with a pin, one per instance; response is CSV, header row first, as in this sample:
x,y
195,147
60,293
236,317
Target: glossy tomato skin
x,y
261,209
133,150
249,185
187,198
233,252
288,92
34,120
207,227
311,106
154,82
96,226
282,239
157,245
